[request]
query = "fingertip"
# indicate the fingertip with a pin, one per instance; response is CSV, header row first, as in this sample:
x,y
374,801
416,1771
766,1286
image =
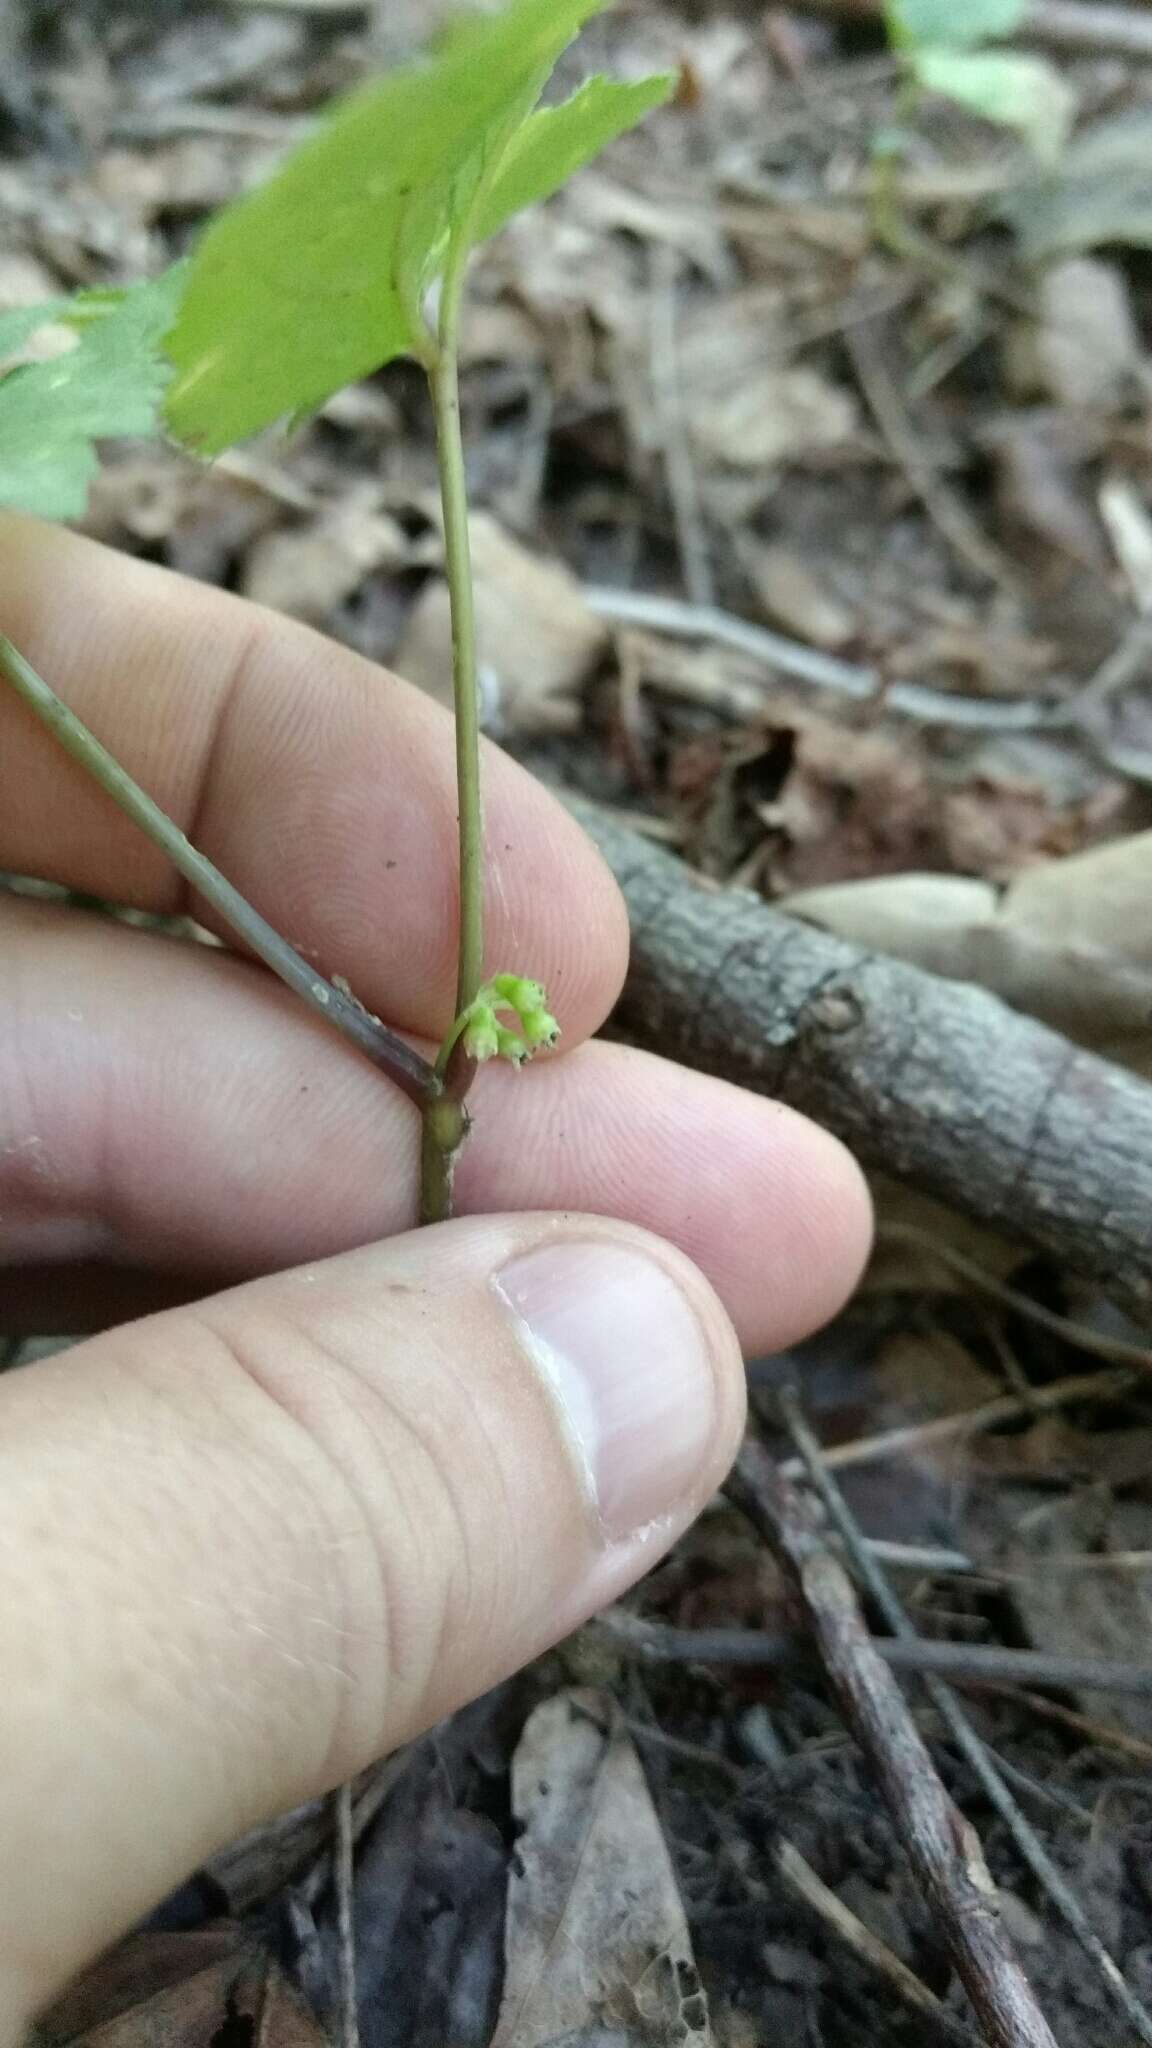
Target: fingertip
x,y
837,1217
788,1247
770,1207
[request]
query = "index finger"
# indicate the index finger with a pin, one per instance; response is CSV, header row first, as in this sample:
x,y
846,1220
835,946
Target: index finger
x,y
321,785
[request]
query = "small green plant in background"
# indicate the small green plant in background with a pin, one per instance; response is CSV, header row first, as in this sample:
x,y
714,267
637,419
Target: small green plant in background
x,y
942,46
949,49
355,252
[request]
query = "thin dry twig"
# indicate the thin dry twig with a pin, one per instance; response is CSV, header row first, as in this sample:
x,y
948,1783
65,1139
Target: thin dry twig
x,y
792,658
1097,1732
676,444
915,1436
947,511
960,1728
782,656
688,1752
344,1885
923,1557
800,1878
1116,1350
1126,664
296,1848
1061,1803
795,1871
942,1848
1135,1561
959,1662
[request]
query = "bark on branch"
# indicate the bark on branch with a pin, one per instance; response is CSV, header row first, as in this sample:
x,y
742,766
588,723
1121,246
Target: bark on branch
x,y
934,1081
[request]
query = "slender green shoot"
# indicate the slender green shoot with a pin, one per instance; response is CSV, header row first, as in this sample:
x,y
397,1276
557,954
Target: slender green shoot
x,y
444,383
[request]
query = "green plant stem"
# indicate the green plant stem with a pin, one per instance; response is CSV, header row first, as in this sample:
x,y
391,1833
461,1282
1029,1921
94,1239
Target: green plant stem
x,y
384,1048
444,1127
445,1119
445,384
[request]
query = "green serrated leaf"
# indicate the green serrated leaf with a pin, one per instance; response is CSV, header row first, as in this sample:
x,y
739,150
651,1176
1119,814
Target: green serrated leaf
x,y
19,325
951,24
112,382
79,311
1024,93
317,278
556,141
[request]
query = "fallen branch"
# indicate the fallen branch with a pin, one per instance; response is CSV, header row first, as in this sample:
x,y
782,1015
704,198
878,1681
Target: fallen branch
x,y
1060,24
941,1846
936,1082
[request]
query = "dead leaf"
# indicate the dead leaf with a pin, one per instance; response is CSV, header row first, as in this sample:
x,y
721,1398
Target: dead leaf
x,y
720,344
186,63
137,1971
1041,458
777,416
181,1991
1129,529
24,280
999,824
794,596
276,2013
1073,1612
1103,896
538,639
1083,348
308,571
609,207
923,1376
497,331
854,803
1069,941
975,655
597,1944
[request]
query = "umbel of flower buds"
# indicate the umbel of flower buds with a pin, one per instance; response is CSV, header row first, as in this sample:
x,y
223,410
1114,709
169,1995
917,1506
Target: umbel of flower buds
x,y
530,1025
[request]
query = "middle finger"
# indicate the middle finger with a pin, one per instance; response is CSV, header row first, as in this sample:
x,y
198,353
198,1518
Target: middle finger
x,y
168,1106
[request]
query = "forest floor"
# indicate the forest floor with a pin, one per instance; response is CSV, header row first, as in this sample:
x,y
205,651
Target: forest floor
x,y
703,384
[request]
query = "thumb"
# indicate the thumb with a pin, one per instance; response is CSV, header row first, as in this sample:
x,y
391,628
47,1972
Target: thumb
x,y
249,1547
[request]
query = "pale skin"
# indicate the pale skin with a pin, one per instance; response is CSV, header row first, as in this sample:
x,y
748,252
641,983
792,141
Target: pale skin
x,y
310,1486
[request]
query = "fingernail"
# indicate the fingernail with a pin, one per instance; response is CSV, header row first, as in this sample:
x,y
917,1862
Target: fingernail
x,y
627,1361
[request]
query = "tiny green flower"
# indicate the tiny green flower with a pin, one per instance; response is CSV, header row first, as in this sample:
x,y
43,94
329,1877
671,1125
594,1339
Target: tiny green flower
x,y
539,1027
510,1046
486,1038
481,1035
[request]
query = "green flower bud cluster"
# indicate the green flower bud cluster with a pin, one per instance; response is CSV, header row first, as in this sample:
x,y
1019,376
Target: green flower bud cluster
x,y
486,1038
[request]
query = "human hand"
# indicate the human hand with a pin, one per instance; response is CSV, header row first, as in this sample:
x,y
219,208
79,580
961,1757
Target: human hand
x,y
255,1540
